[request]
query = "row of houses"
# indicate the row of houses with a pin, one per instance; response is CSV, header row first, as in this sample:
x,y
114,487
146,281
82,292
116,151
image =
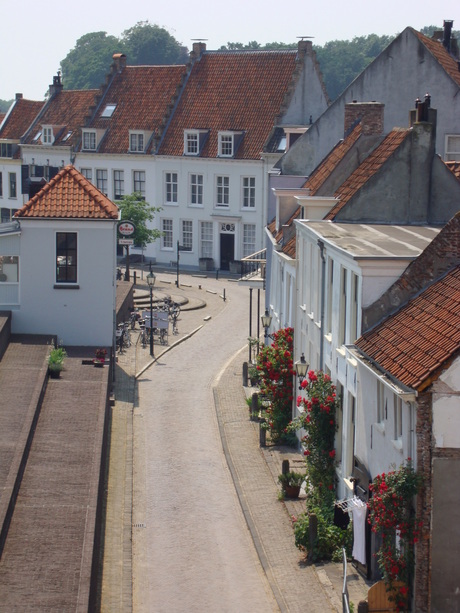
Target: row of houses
x,y
363,260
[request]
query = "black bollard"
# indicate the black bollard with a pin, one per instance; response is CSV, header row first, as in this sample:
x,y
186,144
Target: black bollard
x,y
245,374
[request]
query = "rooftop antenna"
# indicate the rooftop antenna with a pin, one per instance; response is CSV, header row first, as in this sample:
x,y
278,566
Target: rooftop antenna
x,y
304,37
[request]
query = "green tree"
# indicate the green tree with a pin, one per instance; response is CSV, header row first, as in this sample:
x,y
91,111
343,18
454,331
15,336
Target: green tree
x,y
5,105
86,65
147,44
133,208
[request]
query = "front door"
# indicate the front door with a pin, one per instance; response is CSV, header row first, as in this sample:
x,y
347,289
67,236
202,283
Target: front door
x,y
227,250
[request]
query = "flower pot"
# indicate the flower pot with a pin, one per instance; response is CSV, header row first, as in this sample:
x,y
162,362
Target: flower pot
x,y
291,491
98,363
54,373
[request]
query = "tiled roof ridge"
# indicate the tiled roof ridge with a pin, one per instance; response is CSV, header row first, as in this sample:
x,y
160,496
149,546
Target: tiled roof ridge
x,y
369,168
438,258
416,343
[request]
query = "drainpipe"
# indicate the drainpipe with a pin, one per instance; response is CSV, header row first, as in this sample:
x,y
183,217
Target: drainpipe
x,y
323,291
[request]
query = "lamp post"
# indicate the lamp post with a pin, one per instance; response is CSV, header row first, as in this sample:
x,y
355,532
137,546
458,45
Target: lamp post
x,y
301,367
151,282
266,321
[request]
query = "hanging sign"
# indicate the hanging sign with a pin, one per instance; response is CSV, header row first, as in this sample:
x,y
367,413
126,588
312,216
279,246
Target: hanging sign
x,y
126,228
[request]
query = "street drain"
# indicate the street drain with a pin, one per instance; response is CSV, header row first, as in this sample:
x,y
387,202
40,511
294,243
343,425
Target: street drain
x,y
138,525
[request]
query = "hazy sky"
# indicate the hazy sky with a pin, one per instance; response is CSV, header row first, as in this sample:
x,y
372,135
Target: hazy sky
x,y
36,36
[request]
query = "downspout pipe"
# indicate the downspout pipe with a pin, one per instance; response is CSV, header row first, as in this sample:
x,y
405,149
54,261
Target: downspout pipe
x,y
323,293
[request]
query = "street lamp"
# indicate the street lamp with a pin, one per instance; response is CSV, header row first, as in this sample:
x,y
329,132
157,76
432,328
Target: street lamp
x,y
266,321
301,367
151,282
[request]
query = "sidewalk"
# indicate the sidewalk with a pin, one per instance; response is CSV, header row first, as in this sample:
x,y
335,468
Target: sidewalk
x,y
296,585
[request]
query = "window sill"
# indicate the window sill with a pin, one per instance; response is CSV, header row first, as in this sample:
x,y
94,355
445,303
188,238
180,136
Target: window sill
x,y
380,427
340,352
66,286
398,444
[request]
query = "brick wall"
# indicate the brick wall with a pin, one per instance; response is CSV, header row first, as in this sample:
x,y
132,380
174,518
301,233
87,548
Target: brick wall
x,y
370,113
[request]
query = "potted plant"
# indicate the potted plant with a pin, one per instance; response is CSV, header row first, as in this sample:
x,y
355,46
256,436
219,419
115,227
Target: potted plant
x,y
291,482
56,361
99,360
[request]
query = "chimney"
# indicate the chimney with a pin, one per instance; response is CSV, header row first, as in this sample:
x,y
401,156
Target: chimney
x,y
423,113
57,84
119,62
18,96
447,34
198,49
304,47
370,114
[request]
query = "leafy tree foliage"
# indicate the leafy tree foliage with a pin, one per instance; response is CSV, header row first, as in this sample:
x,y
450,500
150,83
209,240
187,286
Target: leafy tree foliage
x,y
5,105
134,208
87,64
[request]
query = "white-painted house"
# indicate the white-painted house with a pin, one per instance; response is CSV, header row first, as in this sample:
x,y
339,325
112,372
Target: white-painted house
x,y
58,262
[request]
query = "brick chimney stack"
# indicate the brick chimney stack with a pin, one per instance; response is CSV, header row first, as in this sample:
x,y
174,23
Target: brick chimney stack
x,y
370,114
197,50
119,62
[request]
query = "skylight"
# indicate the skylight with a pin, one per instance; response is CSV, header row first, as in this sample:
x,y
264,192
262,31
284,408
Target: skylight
x,y
108,111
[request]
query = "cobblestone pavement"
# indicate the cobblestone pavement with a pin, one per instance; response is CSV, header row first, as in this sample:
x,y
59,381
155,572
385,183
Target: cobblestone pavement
x,y
193,448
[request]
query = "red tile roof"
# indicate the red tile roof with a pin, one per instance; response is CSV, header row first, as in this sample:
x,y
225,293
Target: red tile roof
x,y
455,168
21,116
441,55
144,96
234,91
416,343
69,196
66,110
371,165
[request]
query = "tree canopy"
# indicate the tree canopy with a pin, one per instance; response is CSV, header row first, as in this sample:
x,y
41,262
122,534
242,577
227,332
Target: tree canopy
x,y
133,208
87,64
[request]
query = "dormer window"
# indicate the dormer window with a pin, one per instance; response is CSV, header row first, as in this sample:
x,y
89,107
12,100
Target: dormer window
x,y
194,141
47,135
89,140
228,143
136,142
6,150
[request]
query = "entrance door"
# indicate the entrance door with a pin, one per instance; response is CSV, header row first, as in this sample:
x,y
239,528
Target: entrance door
x,y
227,250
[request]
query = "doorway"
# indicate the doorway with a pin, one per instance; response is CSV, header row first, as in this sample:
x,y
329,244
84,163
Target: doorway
x,y
227,250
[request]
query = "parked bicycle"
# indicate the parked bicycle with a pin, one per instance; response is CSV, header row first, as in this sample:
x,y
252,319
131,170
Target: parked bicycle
x,y
123,336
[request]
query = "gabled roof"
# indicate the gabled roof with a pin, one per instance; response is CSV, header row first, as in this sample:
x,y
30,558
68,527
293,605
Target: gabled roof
x,y
66,110
19,118
370,167
232,91
441,55
144,96
69,196
422,337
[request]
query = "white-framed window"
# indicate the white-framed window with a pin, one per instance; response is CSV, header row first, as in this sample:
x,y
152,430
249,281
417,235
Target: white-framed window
x,y
226,144
136,142
118,184
249,239
206,239
9,264
89,140
222,191
343,307
171,187
167,237
187,235
354,307
249,192
398,421
452,147
47,135
1,185
66,257
6,150
139,182
13,188
191,143
87,173
101,180
330,289
196,189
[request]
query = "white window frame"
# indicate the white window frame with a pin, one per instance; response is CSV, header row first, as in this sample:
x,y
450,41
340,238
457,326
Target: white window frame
x,y
380,396
398,418
12,185
249,239
226,144
187,234
136,142
249,192
89,140
206,239
167,234
222,191
47,135
452,148
102,180
118,184
171,187
196,181
139,182
87,173
191,142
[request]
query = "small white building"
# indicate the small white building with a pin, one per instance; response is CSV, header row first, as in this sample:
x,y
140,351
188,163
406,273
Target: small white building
x,y
58,262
